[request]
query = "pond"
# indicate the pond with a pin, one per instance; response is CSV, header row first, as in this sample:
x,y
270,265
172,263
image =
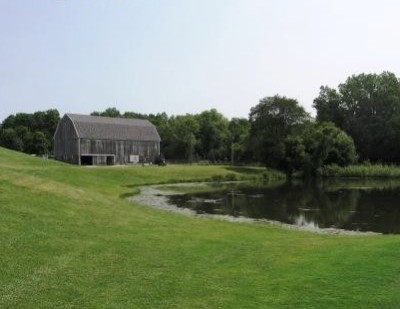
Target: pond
x,y
356,205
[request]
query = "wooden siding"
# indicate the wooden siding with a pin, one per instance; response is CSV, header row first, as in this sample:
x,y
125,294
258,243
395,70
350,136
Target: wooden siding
x,y
121,150
69,147
66,142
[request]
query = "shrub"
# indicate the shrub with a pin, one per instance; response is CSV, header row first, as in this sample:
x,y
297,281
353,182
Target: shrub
x,y
231,177
217,178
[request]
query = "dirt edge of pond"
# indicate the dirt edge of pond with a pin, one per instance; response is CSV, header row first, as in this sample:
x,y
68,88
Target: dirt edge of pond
x,y
154,197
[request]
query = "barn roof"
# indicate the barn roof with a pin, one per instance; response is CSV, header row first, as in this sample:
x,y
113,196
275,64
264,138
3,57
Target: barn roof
x,y
95,127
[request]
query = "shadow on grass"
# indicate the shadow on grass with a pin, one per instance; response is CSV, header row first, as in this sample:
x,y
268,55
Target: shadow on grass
x,y
246,170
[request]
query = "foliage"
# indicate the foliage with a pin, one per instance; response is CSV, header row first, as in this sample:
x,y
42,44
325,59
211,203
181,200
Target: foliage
x,y
213,136
272,121
329,106
327,144
362,170
31,133
11,140
110,112
40,144
183,137
367,107
318,145
189,138
295,154
239,130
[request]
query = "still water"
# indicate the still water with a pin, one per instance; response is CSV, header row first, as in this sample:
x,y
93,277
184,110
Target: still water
x,y
368,205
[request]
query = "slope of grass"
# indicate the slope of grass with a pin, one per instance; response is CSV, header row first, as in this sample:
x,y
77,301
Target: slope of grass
x,y
68,240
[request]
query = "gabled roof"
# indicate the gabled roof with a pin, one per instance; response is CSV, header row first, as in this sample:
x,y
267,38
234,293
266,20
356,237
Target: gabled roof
x,y
94,127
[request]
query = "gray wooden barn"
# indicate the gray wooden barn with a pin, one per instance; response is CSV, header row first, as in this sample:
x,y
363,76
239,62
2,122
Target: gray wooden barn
x,y
92,140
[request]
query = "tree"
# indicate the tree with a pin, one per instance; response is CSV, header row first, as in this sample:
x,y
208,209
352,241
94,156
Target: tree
x,y
239,129
9,122
295,154
317,145
367,107
184,130
51,118
40,143
163,125
213,136
271,121
326,144
10,139
109,112
131,115
329,106
25,135
23,126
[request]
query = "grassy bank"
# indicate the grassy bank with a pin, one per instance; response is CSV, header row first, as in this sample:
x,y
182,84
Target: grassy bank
x,y
68,240
362,171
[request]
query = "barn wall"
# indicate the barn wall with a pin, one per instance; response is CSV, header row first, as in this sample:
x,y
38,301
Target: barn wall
x,y
120,150
66,142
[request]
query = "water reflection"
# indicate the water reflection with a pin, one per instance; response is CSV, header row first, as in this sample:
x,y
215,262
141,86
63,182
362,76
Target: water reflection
x,y
367,205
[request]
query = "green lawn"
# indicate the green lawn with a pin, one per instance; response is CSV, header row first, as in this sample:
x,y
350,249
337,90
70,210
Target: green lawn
x,y
68,240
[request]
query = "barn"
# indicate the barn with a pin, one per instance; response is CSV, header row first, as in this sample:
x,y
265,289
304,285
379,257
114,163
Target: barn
x,y
92,140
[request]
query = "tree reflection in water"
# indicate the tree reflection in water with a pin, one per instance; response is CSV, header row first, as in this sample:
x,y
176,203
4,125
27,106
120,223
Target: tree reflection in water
x,y
364,205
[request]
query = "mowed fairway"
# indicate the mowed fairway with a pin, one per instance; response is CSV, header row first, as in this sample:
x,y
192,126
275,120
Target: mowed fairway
x,y
69,240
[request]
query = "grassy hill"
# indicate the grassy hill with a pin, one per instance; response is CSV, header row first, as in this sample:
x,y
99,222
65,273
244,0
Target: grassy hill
x,y
68,240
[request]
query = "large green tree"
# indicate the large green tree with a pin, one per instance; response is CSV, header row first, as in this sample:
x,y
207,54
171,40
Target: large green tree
x,y
239,129
40,144
213,136
326,144
367,107
183,137
271,121
317,145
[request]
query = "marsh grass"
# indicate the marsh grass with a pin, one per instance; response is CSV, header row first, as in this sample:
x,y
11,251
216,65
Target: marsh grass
x,y
362,171
68,240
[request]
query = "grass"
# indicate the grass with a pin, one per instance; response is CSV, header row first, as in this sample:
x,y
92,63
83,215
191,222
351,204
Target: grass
x,y
362,170
68,240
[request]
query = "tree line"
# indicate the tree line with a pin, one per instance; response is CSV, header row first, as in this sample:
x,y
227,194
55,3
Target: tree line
x,y
194,137
362,114
30,133
367,107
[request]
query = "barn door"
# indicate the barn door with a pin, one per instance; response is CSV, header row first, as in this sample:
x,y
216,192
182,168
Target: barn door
x,y
110,160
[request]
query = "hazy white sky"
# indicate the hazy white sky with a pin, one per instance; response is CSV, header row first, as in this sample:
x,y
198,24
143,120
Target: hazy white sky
x,y
186,56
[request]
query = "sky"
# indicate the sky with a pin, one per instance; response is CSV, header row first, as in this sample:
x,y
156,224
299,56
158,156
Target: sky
x,y
187,56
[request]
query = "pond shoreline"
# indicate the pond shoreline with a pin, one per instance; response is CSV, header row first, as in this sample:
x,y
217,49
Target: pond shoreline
x,y
155,197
